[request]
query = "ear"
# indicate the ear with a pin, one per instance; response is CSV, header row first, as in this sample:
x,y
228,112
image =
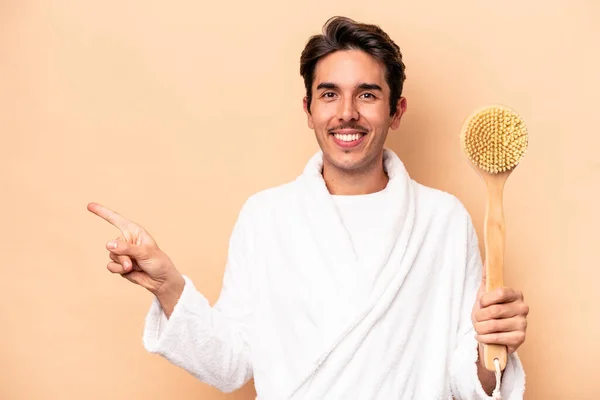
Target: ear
x,y
400,110
311,125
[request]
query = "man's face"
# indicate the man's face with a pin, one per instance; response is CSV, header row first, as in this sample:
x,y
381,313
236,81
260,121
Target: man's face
x,y
350,110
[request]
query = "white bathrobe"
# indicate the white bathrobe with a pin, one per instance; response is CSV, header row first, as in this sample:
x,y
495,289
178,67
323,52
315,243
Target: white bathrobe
x,y
307,318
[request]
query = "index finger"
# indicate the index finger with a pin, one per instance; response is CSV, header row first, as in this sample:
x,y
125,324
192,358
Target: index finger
x,y
499,296
109,215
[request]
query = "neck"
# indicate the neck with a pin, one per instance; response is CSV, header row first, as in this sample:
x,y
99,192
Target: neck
x,y
346,183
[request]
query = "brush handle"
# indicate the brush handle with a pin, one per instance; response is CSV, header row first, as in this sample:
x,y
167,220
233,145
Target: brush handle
x,y
494,233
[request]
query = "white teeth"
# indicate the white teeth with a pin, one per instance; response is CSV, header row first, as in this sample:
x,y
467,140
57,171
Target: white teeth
x,y
347,138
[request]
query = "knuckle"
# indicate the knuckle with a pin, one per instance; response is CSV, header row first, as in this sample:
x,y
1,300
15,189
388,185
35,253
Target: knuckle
x,y
112,267
492,326
523,324
486,300
494,312
485,314
481,328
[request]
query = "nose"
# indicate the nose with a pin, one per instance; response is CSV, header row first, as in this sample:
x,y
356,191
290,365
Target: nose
x,y
347,110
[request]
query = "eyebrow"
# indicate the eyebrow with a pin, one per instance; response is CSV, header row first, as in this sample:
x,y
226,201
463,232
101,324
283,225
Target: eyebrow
x,y
370,86
363,86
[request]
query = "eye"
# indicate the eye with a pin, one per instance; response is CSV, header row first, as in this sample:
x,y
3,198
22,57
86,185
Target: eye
x,y
328,95
369,96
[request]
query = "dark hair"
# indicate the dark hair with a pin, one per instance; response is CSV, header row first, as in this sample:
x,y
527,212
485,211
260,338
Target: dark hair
x,y
342,33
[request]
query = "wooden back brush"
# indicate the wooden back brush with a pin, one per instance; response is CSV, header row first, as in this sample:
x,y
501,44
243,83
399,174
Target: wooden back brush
x,y
494,139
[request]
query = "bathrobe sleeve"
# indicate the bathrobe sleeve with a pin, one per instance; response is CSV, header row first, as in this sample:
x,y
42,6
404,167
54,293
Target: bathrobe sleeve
x,y
464,380
211,343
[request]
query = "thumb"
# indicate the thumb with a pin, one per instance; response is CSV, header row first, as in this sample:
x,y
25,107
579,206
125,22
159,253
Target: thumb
x,y
480,292
483,276
482,285
484,272
120,247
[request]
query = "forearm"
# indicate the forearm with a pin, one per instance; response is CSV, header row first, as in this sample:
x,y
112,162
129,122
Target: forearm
x,y
200,339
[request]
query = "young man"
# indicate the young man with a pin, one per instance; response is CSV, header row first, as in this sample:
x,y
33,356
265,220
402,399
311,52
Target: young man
x,y
351,282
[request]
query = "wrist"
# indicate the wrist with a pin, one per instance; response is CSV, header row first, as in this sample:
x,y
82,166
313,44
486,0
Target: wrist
x,y
169,292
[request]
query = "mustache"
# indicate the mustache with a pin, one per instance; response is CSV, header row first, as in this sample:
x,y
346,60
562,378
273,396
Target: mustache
x,y
350,125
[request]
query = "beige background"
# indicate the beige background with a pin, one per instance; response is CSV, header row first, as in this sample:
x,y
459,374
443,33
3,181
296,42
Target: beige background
x,y
173,113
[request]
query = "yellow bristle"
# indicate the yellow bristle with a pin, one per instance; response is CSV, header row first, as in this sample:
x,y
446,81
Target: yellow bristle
x,y
495,139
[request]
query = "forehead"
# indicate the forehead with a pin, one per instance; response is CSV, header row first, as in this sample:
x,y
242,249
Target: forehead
x,y
348,68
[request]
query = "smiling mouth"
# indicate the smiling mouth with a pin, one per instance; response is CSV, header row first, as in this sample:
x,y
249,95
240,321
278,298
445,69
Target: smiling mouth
x,y
348,137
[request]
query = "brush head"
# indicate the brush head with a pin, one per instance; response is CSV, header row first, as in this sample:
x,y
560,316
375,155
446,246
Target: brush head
x,y
494,139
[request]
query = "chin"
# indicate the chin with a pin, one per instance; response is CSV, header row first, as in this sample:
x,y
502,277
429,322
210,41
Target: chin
x,y
347,160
